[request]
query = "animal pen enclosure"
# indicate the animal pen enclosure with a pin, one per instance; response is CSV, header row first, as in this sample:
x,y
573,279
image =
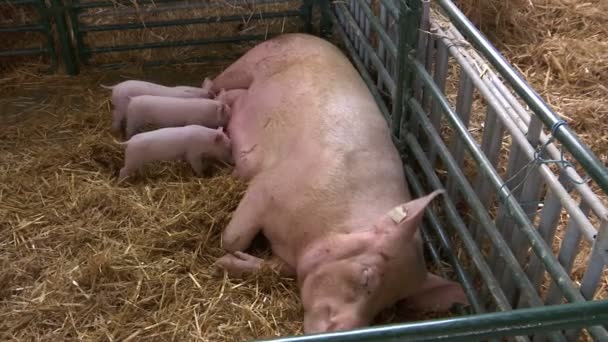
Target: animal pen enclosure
x,y
140,257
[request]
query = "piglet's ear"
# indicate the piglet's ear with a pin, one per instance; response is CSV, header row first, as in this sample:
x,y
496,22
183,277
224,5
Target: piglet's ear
x,y
207,84
408,215
436,294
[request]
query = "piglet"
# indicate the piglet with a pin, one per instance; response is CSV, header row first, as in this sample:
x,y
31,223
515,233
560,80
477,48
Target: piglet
x,y
191,143
162,111
124,91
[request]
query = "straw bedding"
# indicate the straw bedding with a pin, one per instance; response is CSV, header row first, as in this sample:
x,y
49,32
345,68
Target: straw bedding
x,y
83,257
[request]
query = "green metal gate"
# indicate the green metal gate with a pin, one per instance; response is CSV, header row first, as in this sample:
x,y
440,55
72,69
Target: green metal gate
x,y
40,25
89,18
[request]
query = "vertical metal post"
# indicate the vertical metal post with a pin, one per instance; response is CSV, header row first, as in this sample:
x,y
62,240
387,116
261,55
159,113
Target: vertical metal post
x,y
409,17
326,23
43,13
306,15
67,50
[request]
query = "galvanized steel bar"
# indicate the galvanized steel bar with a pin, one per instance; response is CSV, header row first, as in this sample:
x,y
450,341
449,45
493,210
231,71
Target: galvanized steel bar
x,y
567,253
24,52
22,28
369,50
409,28
547,226
381,50
180,22
491,143
464,102
391,47
398,104
67,50
157,45
359,65
490,95
429,61
580,151
140,3
423,38
537,243
597,262
440,78
473,328
446,245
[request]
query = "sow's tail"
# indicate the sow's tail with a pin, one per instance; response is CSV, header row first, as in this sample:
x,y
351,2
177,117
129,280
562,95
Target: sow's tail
x,y
107,87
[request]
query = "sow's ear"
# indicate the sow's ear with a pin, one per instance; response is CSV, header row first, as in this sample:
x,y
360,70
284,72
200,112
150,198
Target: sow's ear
x,y
436,294
407,216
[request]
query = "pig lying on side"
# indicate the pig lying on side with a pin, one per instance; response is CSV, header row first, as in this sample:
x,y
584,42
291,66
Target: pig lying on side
x,y
326,187
190,143
122,92
163,111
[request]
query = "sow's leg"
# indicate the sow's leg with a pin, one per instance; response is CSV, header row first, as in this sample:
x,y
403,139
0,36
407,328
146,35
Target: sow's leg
x,y
239,264
246,220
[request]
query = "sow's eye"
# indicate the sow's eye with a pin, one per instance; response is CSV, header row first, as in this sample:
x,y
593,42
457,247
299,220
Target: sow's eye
x,y
369,280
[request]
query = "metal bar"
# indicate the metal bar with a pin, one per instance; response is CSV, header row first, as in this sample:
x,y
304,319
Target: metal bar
x,y
475,327
527,196
22,28
430,58
376,61
522,141
446,245
440,79
567,253
24,52
181,22
410,26
400,70
18,2
464,103
109,66
306,14
597,261
207,4
391,48
359,65
157,45
381,50
491,143
537,243
67,50
367,31
393,10
549,220
44,21
580,151
423,38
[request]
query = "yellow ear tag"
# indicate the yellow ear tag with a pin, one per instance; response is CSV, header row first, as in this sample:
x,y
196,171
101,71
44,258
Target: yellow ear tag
x,y
398,214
